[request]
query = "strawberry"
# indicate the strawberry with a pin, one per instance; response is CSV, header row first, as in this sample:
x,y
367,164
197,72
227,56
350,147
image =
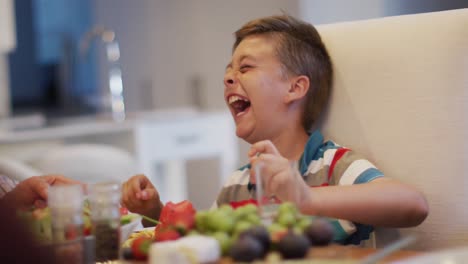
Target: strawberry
x,y
177,217
185,206
159,228
167,234
171,209
140,247
183,222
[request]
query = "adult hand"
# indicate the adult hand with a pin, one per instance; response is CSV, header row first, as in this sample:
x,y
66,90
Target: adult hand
x,y
140,196
278,176
34,190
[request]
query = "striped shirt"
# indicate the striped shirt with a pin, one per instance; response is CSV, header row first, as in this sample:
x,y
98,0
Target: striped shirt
x,y
321,164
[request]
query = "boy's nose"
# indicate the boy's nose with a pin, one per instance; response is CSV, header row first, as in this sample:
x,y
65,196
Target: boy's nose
x,y
229,79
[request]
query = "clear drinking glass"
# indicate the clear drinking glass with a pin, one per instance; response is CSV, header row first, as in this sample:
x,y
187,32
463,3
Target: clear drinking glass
x,y
267,206
66,207
104,200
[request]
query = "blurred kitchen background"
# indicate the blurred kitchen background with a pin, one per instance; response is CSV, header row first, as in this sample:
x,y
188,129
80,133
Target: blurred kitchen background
x,y
64,59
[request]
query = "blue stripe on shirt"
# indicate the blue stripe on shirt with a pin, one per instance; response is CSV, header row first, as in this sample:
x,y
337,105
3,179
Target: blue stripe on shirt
x,y
339,233
368,175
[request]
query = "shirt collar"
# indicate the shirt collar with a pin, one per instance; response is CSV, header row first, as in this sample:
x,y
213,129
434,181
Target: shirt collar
x,y
312,146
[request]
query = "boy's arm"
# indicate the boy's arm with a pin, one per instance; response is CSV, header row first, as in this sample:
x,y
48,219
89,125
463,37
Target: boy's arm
x,y
378,202
381,202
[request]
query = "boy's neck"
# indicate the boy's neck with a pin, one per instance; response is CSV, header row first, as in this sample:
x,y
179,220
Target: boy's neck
x,y
291,143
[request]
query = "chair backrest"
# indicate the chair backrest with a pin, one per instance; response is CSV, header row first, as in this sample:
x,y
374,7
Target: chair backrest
x,y
89,163
401,98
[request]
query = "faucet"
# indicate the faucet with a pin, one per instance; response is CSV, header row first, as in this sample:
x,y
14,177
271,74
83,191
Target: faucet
x,y
107,36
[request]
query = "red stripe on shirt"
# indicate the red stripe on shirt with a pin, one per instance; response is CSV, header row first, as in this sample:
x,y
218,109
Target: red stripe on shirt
x,y
265,200
321,185
338,154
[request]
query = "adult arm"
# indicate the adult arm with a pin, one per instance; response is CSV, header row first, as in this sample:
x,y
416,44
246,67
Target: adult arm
x,y
34,190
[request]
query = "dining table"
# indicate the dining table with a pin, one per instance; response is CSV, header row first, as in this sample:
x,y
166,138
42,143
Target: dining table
x,y
332,254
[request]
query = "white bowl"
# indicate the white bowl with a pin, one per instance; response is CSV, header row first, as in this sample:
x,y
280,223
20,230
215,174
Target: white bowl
x,y
126,230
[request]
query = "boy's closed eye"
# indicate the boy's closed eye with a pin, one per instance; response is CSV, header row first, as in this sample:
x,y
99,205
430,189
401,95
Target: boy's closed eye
x,y
245,68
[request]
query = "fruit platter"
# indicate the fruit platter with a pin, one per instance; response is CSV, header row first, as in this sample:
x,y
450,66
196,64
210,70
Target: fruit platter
x,y
227,233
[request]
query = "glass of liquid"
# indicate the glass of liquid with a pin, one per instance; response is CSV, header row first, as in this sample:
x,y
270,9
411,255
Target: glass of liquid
x,y
66,207
267,207
104,200
267,203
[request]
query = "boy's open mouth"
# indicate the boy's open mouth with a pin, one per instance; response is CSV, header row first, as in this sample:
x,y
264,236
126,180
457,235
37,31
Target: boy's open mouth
x,y
239,104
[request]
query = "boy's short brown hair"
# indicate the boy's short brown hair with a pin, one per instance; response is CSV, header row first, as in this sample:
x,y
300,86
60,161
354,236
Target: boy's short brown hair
x,y
301,51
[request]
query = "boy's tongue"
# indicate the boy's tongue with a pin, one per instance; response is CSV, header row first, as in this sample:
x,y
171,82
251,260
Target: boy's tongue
x,y
240,106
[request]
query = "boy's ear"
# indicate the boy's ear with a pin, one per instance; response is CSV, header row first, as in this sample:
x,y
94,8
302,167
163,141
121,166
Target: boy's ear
x,y
298,89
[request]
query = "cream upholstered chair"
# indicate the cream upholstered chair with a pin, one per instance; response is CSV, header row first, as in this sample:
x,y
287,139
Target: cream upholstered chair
x,y
16,170
401,98
89,163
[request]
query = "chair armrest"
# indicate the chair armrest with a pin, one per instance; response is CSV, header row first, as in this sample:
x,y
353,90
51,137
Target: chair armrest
x,y
16,170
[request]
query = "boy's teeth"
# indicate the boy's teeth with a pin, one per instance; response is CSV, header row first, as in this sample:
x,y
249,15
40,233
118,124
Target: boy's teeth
x,y
235,98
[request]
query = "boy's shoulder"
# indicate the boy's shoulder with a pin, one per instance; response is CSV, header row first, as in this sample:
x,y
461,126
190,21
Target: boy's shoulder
x,y
239,177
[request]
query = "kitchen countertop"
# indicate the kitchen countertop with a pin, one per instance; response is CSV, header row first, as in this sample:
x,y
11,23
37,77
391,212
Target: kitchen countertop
x,y
85,125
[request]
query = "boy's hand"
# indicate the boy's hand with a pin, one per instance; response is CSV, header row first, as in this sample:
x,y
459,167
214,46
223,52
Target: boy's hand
x,y
140,196
279,177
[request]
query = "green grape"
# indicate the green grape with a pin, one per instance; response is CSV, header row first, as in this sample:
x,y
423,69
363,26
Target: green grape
x,y
286,219
218,221
224,222
287,207
210,221
227,209
224,241
240,212
253,219
304,221
296,230
275,227
200,220
241,226
250,208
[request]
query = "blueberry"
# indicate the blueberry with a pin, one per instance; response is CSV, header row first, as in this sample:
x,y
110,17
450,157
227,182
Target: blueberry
x,y
320,232
246,249
293,246
260,233
127,253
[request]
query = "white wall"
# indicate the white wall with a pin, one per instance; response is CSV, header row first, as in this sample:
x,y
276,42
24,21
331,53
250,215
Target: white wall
x,y
174,52
175,49
325,12
7,26
4,88
7,43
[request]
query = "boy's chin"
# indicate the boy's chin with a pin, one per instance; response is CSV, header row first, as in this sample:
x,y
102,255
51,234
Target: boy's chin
x,y
247,136
242,133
